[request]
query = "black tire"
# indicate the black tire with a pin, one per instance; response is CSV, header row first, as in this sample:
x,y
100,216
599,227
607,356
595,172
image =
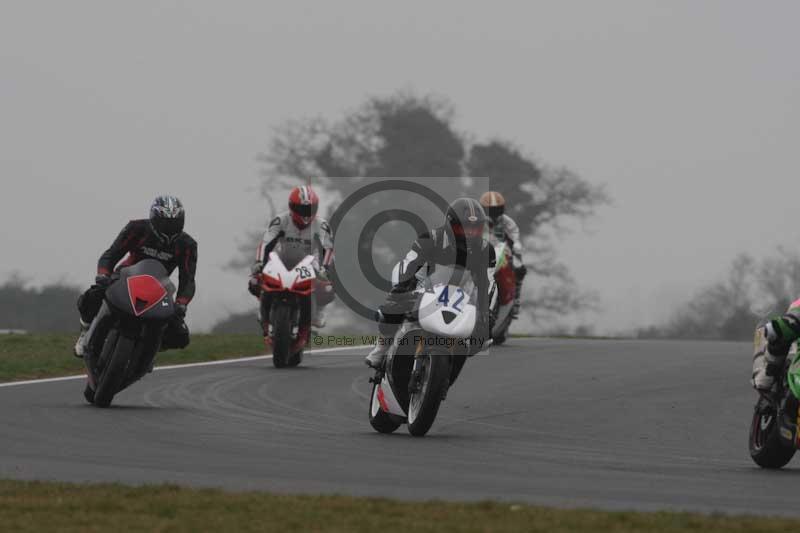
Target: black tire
x,y
295,359
500,338
113,376
435,381
767,448
281,334
380,420
88,394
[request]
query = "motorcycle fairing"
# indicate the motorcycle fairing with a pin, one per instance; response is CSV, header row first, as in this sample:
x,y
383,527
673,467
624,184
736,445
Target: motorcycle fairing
x,y
299,279
504,275
143,290
386,398
446,311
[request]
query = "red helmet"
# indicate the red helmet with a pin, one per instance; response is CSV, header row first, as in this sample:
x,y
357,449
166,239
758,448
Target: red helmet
x,y
303,203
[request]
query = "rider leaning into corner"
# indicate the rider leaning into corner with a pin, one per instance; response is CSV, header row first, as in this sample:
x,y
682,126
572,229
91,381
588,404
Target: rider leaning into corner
x,y
780,333
459,242
503,228
293,235
161,237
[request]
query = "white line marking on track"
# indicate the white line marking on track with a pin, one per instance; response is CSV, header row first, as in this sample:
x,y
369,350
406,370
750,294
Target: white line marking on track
x,y
174,367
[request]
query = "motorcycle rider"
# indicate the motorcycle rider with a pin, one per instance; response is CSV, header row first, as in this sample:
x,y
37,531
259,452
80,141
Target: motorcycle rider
x,y
459,242
293,235
161,237
503,228
780,333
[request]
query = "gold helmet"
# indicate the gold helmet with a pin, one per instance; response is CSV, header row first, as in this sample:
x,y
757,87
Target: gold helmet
x,y
493,204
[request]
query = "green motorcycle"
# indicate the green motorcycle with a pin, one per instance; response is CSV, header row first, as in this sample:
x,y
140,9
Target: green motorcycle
x,y
773,430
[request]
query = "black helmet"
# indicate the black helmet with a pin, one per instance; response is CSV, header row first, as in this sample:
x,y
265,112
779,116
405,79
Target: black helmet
x,y
167,217
467,220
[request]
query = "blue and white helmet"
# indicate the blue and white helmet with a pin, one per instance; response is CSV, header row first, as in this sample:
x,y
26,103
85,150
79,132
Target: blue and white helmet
x,y
167,217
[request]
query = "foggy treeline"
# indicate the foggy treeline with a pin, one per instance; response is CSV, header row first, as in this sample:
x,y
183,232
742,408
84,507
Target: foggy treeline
x,y
47,309
731,308
405,135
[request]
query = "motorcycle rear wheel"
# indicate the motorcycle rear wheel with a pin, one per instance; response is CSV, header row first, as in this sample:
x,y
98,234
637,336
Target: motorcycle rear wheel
x,y
767,449
424,404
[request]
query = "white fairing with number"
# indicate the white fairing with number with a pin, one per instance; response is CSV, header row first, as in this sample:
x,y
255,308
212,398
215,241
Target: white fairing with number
x,y
302,271
434,307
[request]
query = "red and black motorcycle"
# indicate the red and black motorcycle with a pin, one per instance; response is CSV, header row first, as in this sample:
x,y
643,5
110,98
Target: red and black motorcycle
x,y
128,330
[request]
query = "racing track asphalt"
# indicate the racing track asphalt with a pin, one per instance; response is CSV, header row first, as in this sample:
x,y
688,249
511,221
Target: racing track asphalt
x,y
575,423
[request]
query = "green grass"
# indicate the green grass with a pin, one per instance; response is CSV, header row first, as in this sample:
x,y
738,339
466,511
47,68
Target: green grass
x,y
32,356
49,355
37,506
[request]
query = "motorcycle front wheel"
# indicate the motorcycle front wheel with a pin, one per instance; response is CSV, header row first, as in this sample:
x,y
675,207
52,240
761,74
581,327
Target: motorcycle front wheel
x,y
424,404
282,322
767,449
114,373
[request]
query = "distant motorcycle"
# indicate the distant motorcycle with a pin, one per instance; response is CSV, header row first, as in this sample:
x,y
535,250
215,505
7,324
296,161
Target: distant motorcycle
x,y
292,290
426,357
503,301
127,332
774,434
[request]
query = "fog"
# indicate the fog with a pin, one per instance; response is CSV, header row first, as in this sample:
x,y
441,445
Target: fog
x,y
687,111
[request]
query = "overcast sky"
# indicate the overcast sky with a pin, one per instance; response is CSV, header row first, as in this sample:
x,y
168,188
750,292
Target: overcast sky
x,y
687,110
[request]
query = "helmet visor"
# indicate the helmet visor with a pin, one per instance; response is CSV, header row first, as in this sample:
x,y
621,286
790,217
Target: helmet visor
x,y
168,226
304,210
494,211
471,231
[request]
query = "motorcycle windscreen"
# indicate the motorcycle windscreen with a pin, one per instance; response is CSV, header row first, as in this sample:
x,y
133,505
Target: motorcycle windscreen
x,y
143,290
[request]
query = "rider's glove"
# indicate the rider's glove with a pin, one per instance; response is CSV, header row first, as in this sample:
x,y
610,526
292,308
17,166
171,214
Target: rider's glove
x,y
256,268
180,311
322,274
254,286
102,280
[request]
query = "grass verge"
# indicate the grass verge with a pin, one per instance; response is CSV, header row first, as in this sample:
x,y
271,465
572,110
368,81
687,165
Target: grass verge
x,y
39,506
31,356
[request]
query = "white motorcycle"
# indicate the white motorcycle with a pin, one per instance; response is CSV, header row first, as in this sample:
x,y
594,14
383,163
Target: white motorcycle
x,y
426,356
289,325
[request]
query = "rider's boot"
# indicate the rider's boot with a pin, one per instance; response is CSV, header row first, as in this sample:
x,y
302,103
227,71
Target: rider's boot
x,y
765,368
378,354
768,364
80,345
302,338
265,330
319,318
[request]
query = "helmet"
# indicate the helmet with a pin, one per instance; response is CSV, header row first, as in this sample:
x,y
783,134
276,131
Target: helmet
x,y
167,217
303,203
466,219
494,204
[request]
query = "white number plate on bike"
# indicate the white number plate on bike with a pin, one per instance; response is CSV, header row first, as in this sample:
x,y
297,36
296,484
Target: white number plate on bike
x,y
451,296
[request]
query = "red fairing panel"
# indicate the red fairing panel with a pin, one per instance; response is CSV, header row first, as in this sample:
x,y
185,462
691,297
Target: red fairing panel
x,y
145,292
507,283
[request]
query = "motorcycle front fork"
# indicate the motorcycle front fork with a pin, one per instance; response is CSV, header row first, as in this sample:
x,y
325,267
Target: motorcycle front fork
x,y
417,374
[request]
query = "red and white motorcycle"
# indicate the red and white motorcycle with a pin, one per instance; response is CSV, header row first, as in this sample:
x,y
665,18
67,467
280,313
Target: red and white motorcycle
x,y
290,312
502,302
